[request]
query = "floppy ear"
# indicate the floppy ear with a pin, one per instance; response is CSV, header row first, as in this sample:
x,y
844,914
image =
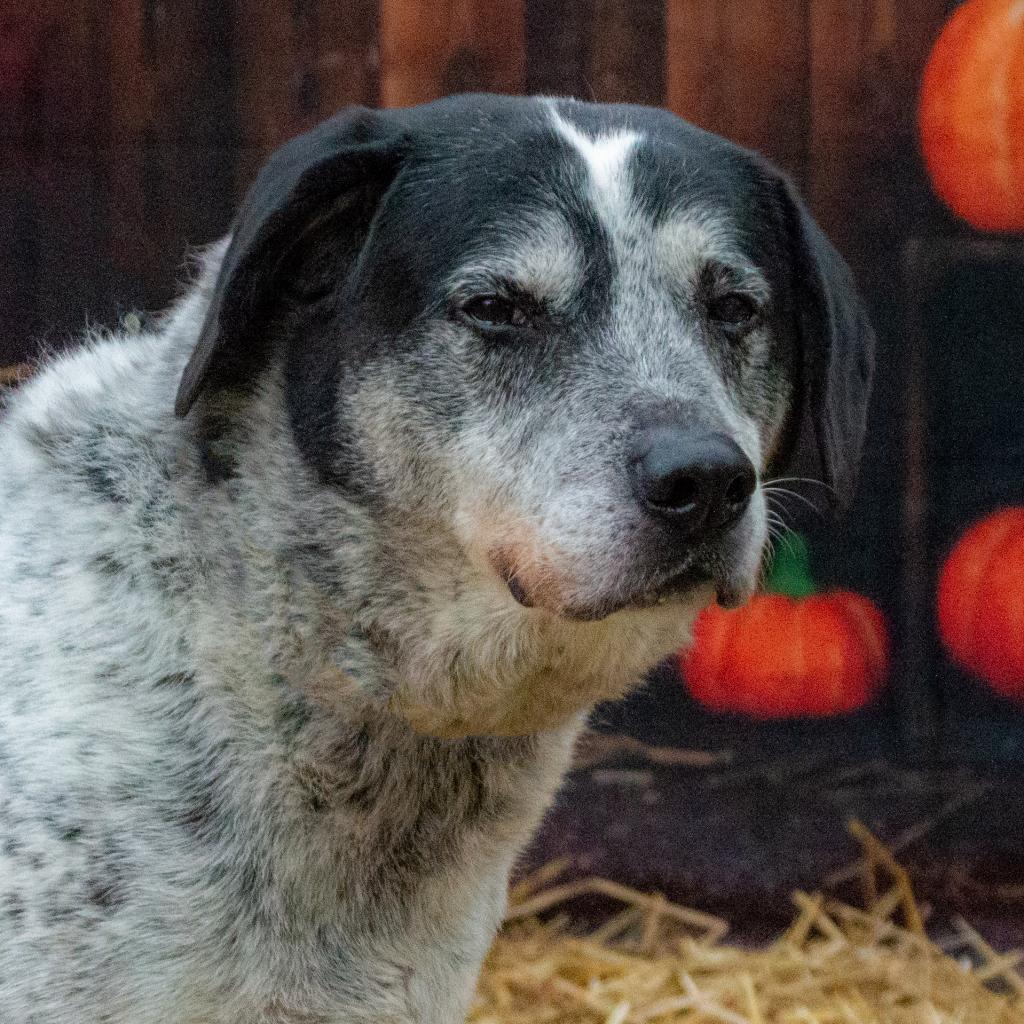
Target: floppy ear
x,y
355,154
838,351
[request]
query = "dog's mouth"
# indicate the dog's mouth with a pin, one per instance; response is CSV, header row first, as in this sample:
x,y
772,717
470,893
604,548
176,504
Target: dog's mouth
x,y
675,587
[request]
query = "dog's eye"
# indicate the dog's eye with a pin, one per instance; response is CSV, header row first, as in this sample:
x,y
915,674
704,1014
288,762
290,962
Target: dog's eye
x,y
495,311
733,310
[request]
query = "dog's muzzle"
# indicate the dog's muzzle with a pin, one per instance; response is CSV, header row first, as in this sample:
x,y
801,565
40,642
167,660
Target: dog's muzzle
x,y
691,488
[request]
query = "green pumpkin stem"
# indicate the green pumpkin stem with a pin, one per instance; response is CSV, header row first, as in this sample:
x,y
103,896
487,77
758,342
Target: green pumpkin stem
x,y
790,572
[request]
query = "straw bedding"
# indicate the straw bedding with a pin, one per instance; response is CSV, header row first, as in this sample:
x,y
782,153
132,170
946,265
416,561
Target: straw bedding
x,y
659,963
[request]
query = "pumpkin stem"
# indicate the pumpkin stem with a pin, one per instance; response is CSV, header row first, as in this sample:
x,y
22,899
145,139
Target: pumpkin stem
x,y
790,572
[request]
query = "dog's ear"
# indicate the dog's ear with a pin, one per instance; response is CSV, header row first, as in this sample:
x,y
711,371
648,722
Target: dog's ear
x,y
837,351
353,156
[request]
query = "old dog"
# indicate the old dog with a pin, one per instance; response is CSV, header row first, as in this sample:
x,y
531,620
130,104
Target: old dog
x,y
309,588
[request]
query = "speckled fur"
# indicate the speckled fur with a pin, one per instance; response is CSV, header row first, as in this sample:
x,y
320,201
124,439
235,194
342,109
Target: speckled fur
x,y
214,805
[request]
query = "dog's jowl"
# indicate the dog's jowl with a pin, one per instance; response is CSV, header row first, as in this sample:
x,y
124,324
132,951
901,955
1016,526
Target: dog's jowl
x,y
308,590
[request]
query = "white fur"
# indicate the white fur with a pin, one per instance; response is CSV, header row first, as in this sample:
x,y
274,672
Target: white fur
x,y
606,157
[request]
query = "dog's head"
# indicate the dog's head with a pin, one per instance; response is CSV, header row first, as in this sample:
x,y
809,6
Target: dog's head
x,y
578,338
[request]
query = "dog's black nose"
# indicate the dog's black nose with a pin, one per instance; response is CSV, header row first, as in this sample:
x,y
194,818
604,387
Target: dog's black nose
x,y
699,480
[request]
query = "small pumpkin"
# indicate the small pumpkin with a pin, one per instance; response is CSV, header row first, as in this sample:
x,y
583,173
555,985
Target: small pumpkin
x,y
971,114
981,601
795,654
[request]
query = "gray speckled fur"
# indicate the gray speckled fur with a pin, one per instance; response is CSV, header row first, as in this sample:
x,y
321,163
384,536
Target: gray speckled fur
x,y
181,806
213,807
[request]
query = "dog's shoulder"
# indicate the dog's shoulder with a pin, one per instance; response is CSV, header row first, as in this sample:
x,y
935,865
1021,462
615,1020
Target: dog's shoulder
x,y
82,464
103,388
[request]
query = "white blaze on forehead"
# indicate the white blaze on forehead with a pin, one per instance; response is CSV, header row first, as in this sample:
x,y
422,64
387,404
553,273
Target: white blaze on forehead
x,y
607,159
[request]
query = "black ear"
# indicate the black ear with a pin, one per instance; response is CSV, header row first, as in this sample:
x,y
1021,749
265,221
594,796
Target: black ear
x,y
838,351
355,154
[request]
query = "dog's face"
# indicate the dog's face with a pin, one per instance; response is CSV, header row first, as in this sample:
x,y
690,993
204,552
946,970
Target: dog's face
x,y
589,360
575,337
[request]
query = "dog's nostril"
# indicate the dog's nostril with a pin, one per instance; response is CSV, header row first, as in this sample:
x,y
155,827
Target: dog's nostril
x,y
740,488
675,491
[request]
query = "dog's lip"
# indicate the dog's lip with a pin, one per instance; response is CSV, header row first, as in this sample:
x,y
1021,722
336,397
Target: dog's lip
x,y
667,590
677,585
518,591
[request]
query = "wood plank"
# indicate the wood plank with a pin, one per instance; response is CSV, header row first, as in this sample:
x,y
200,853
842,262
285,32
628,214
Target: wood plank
x,y
627,52
50,113
348,61
867,189
429,50
325,56
18,275
67,240
169,106
21,40
866,60
557,42
740,68
46,79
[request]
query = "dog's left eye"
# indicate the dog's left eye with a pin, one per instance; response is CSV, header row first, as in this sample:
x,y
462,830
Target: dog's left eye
x,y
495,311
733,310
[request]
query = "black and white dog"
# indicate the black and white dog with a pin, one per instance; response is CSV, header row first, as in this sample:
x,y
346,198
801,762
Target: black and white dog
x,y
308,591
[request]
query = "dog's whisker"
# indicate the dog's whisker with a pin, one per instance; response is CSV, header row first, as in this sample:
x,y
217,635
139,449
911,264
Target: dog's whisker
x,y
786,493
799,480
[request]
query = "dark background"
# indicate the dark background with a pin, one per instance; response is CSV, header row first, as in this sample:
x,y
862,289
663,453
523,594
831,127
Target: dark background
x,y
130,128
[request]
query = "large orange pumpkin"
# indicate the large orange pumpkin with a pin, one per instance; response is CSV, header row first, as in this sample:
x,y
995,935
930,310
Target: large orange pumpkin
x,y
971,114
783,656
981,601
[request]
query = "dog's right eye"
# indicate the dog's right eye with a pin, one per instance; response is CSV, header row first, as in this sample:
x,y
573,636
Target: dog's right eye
x,y
495,311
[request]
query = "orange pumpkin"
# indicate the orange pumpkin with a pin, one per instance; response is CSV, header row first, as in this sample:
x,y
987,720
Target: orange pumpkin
x,y
971,114
981,601
789,655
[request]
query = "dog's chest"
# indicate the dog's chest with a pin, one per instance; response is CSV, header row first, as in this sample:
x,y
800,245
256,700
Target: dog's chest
x,y
374,872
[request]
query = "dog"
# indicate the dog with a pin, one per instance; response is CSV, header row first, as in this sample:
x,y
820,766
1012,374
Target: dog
x,y
310,584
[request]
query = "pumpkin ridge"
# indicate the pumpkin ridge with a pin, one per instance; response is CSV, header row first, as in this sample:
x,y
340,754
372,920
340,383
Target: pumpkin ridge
x,y
999,127
1015,115
736,665
999,660
870,635
842,648
1015,633
722,626
964,575
803,638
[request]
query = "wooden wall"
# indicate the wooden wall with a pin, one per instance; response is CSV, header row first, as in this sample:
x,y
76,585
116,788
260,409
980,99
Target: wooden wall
x,y
128,128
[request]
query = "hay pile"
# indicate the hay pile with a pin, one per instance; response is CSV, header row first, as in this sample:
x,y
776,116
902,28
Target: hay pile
x,y
656,962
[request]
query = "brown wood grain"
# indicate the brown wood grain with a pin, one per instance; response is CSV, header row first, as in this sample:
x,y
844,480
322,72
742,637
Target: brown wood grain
x,y
430,49
603,50
171,135
557,45
18,221
627,52
49,99
740,68
867,56
852,110
21,39
299,62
